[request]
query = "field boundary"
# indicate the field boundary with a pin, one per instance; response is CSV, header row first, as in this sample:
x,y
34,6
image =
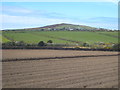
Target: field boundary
x,y
55,48
8,37
59,38
46,58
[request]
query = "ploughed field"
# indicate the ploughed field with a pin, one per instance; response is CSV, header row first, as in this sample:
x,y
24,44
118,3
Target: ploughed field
x,y
41,54
72,70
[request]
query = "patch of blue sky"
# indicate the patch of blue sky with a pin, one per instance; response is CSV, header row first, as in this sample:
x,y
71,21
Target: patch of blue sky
x,y
98,14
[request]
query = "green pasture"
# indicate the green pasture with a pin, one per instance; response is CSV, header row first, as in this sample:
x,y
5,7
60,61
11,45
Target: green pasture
x,y
111,33
59,36
89,37
30,37
3,39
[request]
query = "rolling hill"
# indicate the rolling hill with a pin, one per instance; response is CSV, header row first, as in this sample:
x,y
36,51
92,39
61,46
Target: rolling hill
x,y
63,27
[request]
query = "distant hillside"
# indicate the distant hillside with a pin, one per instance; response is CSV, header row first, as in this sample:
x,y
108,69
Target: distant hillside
x,y
64,26
68,26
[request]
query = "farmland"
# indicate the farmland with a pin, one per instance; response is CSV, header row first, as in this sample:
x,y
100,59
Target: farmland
x,y
49,53
43,68
60,36
77,72
3,39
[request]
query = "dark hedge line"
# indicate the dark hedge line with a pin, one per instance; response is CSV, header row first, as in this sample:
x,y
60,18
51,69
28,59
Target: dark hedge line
x,y
50,45
54,48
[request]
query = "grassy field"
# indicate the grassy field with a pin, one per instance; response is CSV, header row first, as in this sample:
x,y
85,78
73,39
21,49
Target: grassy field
x,y
60,36
110,33
3,39
30,37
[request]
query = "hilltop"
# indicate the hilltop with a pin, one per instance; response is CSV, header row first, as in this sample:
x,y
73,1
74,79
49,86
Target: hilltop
x,y
65,27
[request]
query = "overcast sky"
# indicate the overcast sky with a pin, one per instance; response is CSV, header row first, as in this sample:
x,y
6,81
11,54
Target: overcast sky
x,y
37,14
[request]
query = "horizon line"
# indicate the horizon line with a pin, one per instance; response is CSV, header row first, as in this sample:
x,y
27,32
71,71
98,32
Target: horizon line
x,y
56,24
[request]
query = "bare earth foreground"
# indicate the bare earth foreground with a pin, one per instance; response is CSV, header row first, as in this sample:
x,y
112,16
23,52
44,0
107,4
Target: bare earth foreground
x,y
76,72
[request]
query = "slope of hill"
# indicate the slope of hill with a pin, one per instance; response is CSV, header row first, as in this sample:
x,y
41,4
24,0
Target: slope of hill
x,y
68,26
63,26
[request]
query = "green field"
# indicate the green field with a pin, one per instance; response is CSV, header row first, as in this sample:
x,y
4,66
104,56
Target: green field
x,y
60,36
2,38
111,33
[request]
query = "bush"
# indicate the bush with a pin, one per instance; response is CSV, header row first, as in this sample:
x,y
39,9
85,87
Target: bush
x,y
49,41
9,44
41,43
107,47
116,47
77,47
20,43
85,44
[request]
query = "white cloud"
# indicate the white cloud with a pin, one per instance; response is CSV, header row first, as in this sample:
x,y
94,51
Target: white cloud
x,y
19,11
12,22
113,1
13,9
29,21
24,18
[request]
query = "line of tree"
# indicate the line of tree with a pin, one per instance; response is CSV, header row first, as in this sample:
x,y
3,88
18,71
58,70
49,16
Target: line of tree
x,y
22,43
115,47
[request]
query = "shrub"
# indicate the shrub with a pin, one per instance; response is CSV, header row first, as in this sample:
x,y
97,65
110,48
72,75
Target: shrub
x,y
9,44
41,43
85,44
116,47
107,47
76,47
20,43
49,41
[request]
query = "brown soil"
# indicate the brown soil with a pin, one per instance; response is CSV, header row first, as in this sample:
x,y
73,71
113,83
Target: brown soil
x,y
20,54
87,72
